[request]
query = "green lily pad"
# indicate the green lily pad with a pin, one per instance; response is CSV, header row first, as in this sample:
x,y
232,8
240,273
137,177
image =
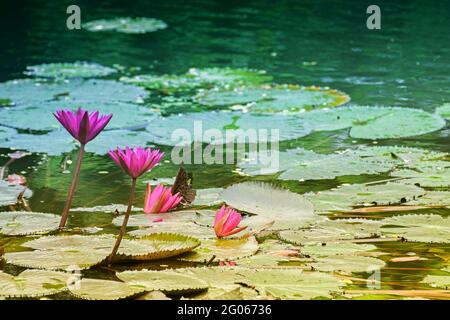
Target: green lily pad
x,y
347,264
32,284
6,133
97,289
9,193
398,123
420,228
28,91
326,231
223,249
349,162
444,111
207,197
61,142
19,223
432,198
199,78
347,196
276,99
168,282
320,250
39,116
437,281
285,208
293,284
69,70
230,127
427,178
125,25
375,122
111,208
188,229
147,220
112,139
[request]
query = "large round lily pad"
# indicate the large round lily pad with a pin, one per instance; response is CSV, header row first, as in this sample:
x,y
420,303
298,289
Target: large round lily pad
x,y
444,111
125,25
28,91
223,249
347,264
69,70
275,99
32,284
97,289
420,228
321,250
168,282
285,208
293,284
9,193
348,196
225,127
18,223
38,116
199,78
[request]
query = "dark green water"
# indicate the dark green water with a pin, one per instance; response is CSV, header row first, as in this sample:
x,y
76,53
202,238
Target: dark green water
x,y
325,43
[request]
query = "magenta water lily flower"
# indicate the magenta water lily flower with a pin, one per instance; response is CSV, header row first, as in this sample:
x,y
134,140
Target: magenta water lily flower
x,y
160,199
16,179
83,126
226,221
135,162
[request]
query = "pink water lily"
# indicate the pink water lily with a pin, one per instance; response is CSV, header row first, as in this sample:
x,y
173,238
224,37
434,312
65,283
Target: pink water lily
x,y
134,162
137,161
226,221
160,199
82,125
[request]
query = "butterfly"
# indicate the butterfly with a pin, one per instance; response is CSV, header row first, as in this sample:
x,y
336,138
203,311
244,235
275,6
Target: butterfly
x,y
183,185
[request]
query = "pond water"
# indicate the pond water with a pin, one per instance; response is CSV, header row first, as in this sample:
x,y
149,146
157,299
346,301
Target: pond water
x,y
323,43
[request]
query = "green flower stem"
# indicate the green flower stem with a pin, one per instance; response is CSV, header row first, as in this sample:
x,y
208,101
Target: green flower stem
x,y
123,229
76,173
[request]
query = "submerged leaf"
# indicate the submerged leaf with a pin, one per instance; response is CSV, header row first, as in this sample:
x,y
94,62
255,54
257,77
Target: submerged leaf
x,y
125,25
10,193
69,70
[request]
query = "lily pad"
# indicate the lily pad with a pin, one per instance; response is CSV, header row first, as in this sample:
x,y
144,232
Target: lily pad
x,y
223,249
375,122
168,282
28,91
427,178
207,197
349,162
348,196
69,70
313,236
112,139
398,123
6,133
276,99
229,127
320,250
19,223
199,78
125,25
147,220
39,116
285,208
9,193
97,289
432,198
444,111
420,228
188,229
437,281
61,142
293,284
347,264
32,284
